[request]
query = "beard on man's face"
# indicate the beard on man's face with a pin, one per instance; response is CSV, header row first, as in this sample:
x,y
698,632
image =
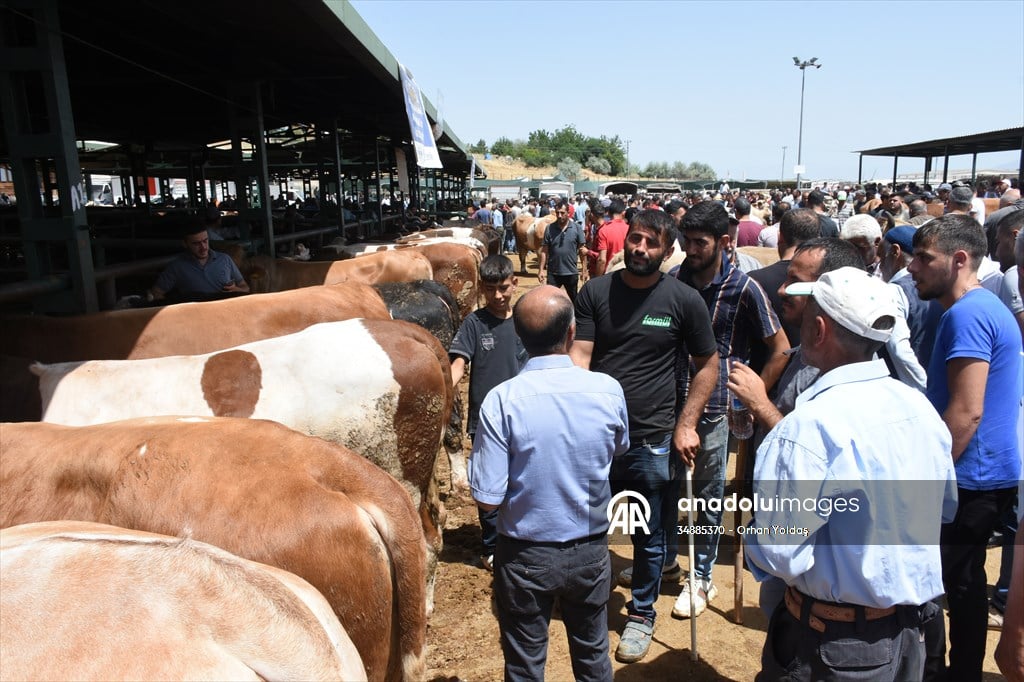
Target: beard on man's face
x,y
642,266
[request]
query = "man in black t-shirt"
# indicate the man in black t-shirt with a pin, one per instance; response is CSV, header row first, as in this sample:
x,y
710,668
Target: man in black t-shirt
x,y
631,325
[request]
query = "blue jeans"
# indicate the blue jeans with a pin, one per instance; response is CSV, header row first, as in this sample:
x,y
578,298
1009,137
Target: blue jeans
x,y
651,469
708,483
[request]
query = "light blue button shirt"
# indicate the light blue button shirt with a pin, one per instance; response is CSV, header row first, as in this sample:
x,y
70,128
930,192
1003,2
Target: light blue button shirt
x,y
855,435
544,447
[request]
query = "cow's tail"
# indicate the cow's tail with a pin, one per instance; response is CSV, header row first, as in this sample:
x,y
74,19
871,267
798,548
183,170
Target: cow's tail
x,y
407,554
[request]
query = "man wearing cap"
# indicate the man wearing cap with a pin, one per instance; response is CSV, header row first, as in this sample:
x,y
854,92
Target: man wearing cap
x,y
942,192
974,382
858,549
816,200
895,253
959,201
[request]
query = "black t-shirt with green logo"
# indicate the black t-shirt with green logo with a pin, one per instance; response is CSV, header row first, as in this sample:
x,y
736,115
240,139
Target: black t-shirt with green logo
x,y
637,334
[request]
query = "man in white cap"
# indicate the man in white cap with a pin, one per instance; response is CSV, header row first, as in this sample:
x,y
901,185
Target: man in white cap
x,y
849,502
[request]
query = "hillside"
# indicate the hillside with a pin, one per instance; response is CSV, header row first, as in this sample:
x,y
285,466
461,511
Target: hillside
x,y
507,168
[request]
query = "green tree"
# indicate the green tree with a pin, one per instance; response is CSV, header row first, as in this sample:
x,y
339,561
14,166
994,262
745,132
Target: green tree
x,y
701,171
569,168
599,164
479,148
503,147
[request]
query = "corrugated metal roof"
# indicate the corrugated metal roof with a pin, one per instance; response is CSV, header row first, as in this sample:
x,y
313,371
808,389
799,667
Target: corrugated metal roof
x,y
1009,139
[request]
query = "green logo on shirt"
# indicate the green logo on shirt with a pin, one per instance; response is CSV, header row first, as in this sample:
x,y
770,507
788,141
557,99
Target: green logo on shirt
x,y
652,321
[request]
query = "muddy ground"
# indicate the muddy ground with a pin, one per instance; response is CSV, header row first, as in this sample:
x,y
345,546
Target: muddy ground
x,y
463,632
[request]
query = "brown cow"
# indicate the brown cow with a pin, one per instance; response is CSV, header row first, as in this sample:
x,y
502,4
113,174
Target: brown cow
x,y
530,235
266,274
254,488
113,603
187,328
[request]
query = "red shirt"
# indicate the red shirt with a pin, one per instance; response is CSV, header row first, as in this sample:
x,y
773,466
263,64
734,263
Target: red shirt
x,y
747,231
612,237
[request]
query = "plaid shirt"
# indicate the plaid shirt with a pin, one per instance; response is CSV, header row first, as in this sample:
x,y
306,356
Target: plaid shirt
x,y
739,309
844,214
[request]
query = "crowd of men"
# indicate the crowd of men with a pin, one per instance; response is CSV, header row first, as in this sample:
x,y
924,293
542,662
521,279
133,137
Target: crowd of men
x,y
881,359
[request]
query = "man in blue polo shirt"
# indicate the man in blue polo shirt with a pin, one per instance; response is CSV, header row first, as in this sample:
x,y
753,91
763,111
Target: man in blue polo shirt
x,y
541,457
974,382
198,272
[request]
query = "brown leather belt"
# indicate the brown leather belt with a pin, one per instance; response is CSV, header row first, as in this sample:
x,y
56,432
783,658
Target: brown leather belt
x,y
826,611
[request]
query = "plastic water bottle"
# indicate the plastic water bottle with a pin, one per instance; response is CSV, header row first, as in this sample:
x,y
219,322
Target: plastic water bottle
x,y
741,421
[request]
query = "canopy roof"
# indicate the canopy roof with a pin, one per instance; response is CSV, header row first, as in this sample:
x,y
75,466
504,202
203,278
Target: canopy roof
x,y
166,75
1009,139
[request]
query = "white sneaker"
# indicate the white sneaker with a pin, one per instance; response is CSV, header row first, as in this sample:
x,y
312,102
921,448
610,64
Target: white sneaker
x,y
487,562
706,591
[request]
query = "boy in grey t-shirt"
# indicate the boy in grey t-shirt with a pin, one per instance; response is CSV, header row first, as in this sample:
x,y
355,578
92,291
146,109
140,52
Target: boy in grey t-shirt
x,y
487,342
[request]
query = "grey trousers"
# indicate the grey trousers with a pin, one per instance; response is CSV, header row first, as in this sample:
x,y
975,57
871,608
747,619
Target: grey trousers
x,y
528,577
877,651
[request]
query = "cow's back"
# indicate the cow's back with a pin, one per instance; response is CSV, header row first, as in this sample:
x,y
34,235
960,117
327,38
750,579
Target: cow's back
x,y
373,268
113,601
254,488
185,328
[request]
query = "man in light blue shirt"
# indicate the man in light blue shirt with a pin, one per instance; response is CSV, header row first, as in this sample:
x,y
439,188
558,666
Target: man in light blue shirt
x,y
541,457
851,490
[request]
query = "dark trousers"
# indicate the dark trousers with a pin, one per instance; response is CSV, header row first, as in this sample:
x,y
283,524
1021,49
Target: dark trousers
x,y
488,529
528,576
569,282
885,649
963,544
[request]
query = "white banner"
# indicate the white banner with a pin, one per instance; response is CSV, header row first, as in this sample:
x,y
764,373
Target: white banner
x,y
403,171
419,124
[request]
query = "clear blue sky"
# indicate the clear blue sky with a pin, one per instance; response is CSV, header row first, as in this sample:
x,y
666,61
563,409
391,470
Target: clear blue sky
x,y
715,82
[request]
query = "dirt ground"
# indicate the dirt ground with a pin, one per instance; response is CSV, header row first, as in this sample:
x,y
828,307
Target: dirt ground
x,y
463,632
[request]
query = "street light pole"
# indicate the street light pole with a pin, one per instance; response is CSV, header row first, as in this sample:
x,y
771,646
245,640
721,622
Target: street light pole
x,y
800,139
782,175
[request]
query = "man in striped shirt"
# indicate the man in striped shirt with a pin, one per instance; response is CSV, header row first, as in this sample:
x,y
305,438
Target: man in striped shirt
x,y
740,311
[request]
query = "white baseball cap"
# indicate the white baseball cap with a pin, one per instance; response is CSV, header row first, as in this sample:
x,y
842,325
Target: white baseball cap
x,y
853,298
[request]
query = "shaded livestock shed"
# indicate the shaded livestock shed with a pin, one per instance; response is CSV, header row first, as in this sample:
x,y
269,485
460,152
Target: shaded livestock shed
x,y
1009,139
214,94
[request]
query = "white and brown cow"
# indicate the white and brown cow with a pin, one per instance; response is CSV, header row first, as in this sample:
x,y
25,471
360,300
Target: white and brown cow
x,y
88,601
253,488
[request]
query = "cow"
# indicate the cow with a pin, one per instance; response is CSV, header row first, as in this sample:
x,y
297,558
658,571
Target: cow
x,y
254,488
530,235
385,393
488,237
265,274
458,268
187,328
88,601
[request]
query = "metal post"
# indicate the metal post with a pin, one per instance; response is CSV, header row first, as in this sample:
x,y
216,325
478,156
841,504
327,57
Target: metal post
x,y
895,165
693,566
782,174
800,136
